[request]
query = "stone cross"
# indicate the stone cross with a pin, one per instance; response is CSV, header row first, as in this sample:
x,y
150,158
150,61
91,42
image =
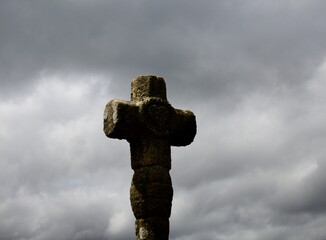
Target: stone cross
x,y
150,125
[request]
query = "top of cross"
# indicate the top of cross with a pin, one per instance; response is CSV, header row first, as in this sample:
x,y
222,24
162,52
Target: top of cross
x,y
149,113
148,86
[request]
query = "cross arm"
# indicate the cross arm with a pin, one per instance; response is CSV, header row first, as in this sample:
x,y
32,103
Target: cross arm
x,y
185,128
120,119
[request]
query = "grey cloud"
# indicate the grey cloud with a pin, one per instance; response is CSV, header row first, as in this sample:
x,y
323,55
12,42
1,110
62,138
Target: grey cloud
x,y
79,214
308,197
228,45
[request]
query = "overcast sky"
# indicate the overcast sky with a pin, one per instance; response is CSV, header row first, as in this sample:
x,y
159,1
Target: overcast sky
x,y
252,71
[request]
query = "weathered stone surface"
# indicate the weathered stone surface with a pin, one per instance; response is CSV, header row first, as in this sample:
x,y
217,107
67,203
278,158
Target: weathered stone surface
x,y
151,125
120,119
150,152
152,228
147,87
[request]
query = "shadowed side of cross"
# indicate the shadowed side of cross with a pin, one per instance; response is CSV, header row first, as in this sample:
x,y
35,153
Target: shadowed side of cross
x,y
151,125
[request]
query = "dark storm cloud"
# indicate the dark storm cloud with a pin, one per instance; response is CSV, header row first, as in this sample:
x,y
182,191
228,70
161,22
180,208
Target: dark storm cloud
x,y
89,36
233,44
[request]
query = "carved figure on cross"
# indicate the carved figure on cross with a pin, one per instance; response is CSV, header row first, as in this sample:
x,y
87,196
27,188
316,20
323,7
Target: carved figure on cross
x,y
151,125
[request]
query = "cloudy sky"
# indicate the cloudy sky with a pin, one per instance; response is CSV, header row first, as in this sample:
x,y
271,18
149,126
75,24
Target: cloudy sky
x,y
252,71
